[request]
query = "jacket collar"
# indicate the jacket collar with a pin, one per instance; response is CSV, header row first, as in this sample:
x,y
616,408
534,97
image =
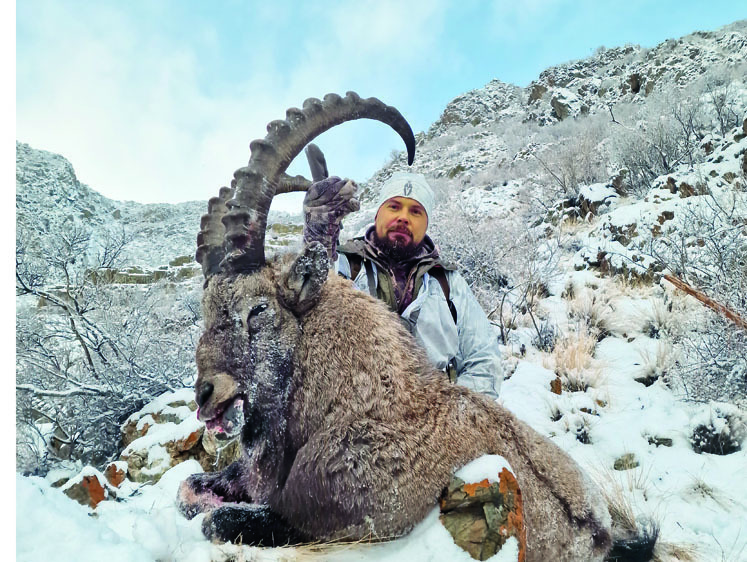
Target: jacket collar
x,y
365,247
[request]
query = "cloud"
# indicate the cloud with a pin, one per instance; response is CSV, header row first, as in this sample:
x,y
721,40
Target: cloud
x,y
156,110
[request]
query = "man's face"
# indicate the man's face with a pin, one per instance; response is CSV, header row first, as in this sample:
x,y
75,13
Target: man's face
x,y
401,223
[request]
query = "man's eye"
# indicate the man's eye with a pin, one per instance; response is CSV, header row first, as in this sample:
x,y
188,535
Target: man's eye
x,y
416,211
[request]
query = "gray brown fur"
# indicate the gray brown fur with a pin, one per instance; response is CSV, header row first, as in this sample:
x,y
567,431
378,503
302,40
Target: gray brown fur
x,y
350,433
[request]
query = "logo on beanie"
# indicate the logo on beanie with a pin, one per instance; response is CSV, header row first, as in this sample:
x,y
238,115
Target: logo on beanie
x,y
407,189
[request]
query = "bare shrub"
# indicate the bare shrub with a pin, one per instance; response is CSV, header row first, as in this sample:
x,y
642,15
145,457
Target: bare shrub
x,y
654,138
709,252
722,95
90,353
507,264
576,156
650,148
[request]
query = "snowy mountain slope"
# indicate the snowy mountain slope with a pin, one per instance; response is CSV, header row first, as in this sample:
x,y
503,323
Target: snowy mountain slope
x,y
497,125
49,198
631,72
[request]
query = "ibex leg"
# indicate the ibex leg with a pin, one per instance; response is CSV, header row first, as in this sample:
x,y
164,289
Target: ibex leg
x,y
204,492
360,481
254,525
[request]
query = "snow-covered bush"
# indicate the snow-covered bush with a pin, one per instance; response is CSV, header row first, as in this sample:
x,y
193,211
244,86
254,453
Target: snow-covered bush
x,y
654,138
709,252
90,353
508,264
573,154
719,431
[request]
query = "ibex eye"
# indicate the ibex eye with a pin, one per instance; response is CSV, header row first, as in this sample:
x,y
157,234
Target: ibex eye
x,y
257,310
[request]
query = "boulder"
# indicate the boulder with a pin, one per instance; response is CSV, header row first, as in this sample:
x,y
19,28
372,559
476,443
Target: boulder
x,y
482,516
560,107
167,432
89,488
536,92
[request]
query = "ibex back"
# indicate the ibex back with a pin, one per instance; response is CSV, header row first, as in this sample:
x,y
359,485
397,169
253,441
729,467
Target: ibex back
x,y
347,429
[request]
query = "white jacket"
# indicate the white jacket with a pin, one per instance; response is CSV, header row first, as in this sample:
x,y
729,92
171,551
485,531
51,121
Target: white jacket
x,y
472,342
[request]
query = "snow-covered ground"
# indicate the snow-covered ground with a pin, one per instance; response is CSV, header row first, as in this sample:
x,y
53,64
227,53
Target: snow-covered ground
x,y
148,526
622,420
699,500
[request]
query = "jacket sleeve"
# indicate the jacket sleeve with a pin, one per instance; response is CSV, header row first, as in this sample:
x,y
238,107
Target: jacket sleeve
x,y
479,365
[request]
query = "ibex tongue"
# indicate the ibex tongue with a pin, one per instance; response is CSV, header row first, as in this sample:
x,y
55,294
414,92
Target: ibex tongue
x,y
230,422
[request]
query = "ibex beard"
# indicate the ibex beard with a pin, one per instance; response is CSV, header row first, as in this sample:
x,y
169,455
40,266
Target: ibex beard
x,y
348,431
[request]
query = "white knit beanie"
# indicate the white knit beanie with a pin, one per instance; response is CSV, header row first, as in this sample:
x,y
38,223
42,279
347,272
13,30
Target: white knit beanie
x,y
406,184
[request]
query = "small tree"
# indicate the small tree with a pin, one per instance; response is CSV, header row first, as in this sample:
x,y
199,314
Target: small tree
x,y
90,353
507,264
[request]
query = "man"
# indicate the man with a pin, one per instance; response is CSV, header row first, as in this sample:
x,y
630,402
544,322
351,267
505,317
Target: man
x,y
397,262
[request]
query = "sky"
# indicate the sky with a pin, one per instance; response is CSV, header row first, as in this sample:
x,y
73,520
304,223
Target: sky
x,y
158,100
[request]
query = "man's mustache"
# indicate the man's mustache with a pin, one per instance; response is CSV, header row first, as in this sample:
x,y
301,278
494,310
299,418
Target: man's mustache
x,y
400,228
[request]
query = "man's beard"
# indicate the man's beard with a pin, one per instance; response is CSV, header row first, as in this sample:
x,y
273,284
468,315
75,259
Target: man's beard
x,y
397,250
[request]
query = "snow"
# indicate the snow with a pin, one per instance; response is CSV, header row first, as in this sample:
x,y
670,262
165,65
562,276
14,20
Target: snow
x,y
487,467
697,499
598,192
148,526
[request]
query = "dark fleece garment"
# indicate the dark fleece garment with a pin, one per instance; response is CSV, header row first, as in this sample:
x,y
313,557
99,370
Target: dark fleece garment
x,y
402,273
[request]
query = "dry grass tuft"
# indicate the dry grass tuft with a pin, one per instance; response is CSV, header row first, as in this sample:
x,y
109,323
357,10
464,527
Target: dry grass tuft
x,y
315,551
620,508
591,309
656,364
672,552
573,361
626,525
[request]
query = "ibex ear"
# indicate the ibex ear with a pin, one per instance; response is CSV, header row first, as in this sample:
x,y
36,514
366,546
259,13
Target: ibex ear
x,y
301,283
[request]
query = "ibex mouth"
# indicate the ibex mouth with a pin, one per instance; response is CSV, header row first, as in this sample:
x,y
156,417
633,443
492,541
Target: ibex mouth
x,y
228,418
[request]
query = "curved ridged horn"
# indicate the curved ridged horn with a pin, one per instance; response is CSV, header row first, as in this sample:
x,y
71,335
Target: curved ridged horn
x,y
257,183
287,184
210,249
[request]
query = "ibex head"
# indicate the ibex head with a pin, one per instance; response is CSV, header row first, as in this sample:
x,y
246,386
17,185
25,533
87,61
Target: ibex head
x,y
253,310
245,357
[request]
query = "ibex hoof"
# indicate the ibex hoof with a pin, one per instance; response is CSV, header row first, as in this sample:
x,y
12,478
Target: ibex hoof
x,y
254,525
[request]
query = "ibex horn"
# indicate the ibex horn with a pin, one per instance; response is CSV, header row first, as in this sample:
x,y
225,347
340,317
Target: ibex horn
x,y
210,250
263,177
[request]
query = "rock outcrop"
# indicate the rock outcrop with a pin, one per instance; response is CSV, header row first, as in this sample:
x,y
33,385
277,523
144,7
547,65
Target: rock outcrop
x,y
167,432
482,516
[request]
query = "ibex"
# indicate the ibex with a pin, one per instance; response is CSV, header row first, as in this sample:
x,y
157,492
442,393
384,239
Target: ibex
x,y
348,431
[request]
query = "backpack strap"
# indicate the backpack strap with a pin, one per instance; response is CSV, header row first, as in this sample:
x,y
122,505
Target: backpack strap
x,y
439,274
356,262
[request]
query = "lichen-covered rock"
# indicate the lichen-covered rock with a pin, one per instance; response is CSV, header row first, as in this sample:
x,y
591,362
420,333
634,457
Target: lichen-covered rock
x,y
482,516
89,487
167,432
115,473
626,462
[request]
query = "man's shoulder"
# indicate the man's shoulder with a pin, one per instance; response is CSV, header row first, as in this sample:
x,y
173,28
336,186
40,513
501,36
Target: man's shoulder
x,y
457,282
